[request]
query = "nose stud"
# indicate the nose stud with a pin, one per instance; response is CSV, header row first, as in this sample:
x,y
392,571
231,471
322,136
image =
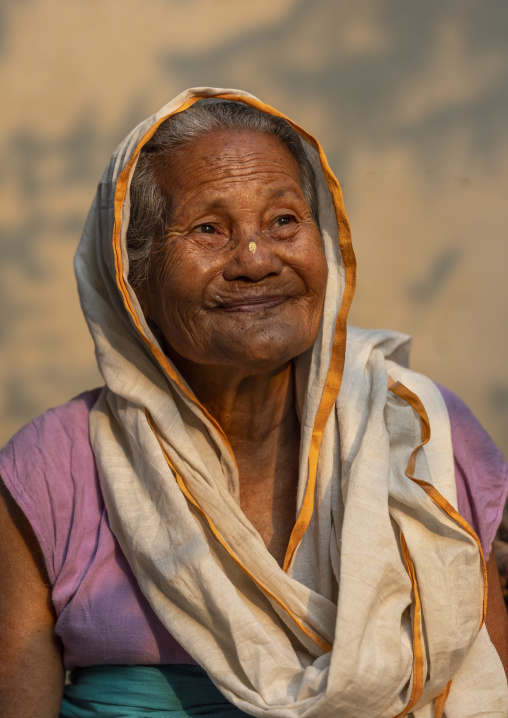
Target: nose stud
x,y
252,247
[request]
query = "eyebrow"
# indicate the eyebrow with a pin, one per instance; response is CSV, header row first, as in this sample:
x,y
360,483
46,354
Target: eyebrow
x,y
282,192
214,204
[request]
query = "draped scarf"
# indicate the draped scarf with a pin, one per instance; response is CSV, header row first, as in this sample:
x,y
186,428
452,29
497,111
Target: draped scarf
x,y
379,607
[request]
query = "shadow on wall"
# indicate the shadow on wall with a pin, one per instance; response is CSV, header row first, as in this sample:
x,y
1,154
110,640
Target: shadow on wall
x,y
37,168
359,61
425,289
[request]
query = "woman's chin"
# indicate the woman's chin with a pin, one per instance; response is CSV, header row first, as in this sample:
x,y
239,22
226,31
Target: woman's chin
x,y
264,355
252,351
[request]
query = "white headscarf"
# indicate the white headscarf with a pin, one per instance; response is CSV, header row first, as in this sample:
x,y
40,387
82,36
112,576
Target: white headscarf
x,y
382,596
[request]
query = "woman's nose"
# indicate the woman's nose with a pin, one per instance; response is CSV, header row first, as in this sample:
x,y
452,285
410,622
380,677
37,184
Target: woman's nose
x,y
253,257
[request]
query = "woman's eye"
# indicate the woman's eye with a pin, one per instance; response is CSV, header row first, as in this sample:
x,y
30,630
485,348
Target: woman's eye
x,y
284,220
282,227
205,229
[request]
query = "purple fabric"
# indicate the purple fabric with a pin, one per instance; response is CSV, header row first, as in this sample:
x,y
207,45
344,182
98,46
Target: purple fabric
x,y
102,616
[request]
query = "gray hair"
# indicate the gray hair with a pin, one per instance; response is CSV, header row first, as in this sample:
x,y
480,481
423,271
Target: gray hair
x,y
149,213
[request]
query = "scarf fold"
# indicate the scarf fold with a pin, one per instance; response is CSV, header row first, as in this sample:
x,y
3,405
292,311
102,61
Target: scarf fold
x,y
381,598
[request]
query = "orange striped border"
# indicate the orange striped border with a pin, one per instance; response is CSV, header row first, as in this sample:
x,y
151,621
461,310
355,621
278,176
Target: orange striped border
x,y
418,680
439,702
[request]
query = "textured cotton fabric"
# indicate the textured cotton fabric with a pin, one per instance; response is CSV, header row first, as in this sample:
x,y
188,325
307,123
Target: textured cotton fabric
x,y
341,630
101,615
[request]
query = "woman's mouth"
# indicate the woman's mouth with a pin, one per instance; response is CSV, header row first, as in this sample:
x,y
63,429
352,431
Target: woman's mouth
x,y
252,304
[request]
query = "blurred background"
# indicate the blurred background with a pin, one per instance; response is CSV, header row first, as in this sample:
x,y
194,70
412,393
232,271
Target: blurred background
x,y
409,99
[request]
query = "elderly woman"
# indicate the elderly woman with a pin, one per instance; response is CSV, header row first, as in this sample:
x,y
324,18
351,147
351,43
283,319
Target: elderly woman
x,y
255,515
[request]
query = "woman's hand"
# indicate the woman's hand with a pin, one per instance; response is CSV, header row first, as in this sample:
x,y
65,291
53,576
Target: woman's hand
x,y
31,669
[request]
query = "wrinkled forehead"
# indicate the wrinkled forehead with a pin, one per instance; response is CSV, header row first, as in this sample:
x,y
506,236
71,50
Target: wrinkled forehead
x,y
221,158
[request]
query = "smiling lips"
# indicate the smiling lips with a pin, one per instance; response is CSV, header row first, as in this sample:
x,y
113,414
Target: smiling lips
x,y
253,304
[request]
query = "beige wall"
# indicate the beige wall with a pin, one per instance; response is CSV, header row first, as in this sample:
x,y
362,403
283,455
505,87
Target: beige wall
x,y
409,99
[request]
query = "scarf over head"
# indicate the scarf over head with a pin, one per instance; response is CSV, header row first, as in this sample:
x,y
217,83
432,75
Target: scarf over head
x,y
378,611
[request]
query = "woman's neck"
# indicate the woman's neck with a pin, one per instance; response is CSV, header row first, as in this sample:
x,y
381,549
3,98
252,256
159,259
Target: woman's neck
x,y
258,415
248,408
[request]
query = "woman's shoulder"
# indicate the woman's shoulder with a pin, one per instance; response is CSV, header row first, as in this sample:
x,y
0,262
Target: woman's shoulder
x,y
481,470
55,440
64,423
471,442
46,465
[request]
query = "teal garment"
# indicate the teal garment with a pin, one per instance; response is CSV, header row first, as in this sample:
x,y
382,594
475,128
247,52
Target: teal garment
x,y
175,691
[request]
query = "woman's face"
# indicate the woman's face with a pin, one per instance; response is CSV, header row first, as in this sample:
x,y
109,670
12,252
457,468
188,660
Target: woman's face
x,y
239,278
